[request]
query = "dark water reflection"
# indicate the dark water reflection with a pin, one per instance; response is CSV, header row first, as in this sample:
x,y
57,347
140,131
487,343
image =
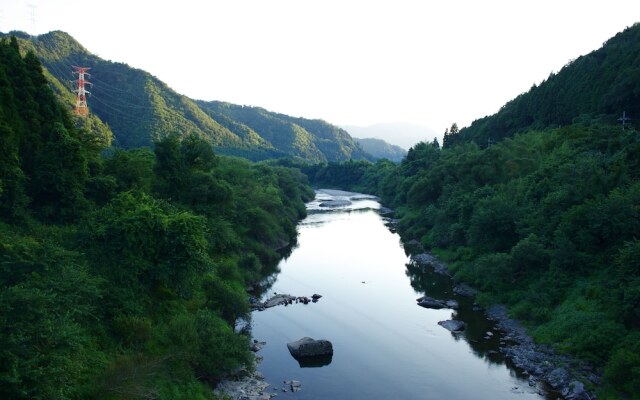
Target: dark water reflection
x,y
385,346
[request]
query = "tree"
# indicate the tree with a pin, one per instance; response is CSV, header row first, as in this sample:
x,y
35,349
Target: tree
x,y
60,176
451,136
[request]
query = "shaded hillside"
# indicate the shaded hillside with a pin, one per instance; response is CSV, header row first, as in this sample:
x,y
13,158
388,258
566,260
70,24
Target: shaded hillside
x,y
313,140
601,84
379,149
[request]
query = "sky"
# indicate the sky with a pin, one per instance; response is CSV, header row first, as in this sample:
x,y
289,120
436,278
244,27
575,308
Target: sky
x,y
349,62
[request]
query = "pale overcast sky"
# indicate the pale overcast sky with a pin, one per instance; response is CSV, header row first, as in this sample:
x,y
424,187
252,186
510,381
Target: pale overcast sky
x,y
348,62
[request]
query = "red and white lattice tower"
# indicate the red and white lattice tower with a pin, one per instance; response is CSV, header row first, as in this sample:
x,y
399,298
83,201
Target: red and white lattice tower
x,y
81,102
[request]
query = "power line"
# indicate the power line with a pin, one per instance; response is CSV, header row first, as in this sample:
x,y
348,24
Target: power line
x,y
103,93
118,112
97,89
111,88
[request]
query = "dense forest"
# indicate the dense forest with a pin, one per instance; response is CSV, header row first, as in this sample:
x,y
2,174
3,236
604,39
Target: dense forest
x,y
304,139
123,272
546,221
604,83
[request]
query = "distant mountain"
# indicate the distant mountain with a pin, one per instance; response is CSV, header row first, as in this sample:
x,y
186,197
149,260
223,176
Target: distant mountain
x,y
402,134
602,84
378,148
138,109
314,140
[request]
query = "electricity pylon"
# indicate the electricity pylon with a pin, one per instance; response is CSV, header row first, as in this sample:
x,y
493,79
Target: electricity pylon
x,y
81,102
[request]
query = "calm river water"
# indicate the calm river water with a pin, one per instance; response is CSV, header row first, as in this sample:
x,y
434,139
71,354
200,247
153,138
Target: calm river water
x,y
385,345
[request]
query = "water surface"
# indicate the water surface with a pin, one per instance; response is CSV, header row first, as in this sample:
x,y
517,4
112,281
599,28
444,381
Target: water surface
x,y
385,346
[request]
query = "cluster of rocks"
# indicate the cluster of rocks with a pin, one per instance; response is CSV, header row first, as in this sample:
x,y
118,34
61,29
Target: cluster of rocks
x,y
426,259
452,325
540,362
251,387
282,299
245,385
294,386
430,302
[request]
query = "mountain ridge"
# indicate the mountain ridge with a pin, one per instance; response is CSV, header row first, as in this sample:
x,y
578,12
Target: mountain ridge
x,y
601,84
380,149
138,109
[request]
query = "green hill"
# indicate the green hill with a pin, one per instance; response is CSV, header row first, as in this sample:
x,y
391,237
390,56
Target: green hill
x,y
139,109
602,84
379,149
313,140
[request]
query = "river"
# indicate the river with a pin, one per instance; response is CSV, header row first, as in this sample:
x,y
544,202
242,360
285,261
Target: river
x,y
385,345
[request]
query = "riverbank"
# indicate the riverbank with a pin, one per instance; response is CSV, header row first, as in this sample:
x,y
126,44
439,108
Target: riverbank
x,y
541,363
247,384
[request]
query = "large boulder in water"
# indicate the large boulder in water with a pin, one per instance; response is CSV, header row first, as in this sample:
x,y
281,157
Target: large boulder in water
x,y
308,347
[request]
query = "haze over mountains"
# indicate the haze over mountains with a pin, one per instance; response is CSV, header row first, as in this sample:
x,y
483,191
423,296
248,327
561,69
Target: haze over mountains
x,y
402,134
378,148
135,109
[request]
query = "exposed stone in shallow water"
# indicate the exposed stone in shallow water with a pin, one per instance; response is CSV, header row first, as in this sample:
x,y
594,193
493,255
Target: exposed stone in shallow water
x,y
452,325
430,302
308,347
428,260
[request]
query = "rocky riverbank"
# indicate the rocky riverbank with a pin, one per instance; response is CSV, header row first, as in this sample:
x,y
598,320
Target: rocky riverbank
x,y
245,384
251,385
540,362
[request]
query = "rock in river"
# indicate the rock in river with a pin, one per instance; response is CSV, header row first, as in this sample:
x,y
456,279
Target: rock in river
x,y
335,203
452,325
308,347
430,302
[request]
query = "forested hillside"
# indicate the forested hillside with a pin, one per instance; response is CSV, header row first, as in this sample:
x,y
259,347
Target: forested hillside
x,y
305,139
122,275
546,221
378,149
140,109
602,84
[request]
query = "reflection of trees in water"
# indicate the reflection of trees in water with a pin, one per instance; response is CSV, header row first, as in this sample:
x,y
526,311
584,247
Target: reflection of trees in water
x,y
425,280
